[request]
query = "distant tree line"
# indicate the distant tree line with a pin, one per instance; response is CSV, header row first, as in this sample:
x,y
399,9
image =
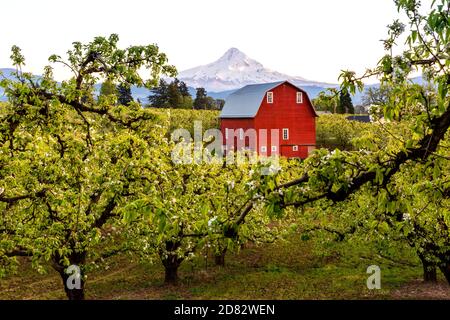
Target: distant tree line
x,y
166,95
170,95
176,95
372,102
334,101
121,91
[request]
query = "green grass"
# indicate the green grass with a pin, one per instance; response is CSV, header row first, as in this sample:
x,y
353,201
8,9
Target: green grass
x,y
292,269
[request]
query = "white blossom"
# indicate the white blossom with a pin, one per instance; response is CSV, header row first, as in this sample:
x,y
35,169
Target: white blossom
x,y
251,184
211,221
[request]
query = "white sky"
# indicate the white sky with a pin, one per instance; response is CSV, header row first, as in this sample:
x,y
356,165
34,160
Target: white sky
x,y
314,39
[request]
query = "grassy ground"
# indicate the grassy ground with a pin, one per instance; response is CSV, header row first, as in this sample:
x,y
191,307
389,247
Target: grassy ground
x,y
284,270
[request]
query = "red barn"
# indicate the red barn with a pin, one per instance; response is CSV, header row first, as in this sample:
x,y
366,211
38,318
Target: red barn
x,y
271,118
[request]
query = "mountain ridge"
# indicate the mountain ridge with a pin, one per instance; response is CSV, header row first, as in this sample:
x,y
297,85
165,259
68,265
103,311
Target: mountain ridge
x,y
233,70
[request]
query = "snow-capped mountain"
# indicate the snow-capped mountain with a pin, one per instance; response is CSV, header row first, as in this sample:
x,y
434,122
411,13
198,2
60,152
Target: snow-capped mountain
x,y
234,70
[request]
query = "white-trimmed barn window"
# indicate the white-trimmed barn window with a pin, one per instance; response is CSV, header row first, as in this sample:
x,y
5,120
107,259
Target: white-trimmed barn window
x,y
299,97
270,97
274,148
285,133
294,148
263,149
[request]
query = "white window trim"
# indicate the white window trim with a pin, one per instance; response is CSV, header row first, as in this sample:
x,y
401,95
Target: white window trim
x,y
299,94
294,148
270,94
274,148
263,149
287,133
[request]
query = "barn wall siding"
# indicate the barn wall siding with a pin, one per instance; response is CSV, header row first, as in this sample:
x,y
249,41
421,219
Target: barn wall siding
x,y
235,124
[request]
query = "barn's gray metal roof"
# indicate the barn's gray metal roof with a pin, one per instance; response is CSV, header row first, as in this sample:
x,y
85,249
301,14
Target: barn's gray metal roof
x,y
245,102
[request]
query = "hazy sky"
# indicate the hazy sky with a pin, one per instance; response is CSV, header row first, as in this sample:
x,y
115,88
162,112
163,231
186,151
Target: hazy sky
x,y
314,39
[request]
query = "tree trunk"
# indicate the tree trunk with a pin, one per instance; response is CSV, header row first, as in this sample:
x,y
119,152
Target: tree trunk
x,y
429,270
429,274
72,293
171,274
73,285
219,257
171,265
445,269
171,262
